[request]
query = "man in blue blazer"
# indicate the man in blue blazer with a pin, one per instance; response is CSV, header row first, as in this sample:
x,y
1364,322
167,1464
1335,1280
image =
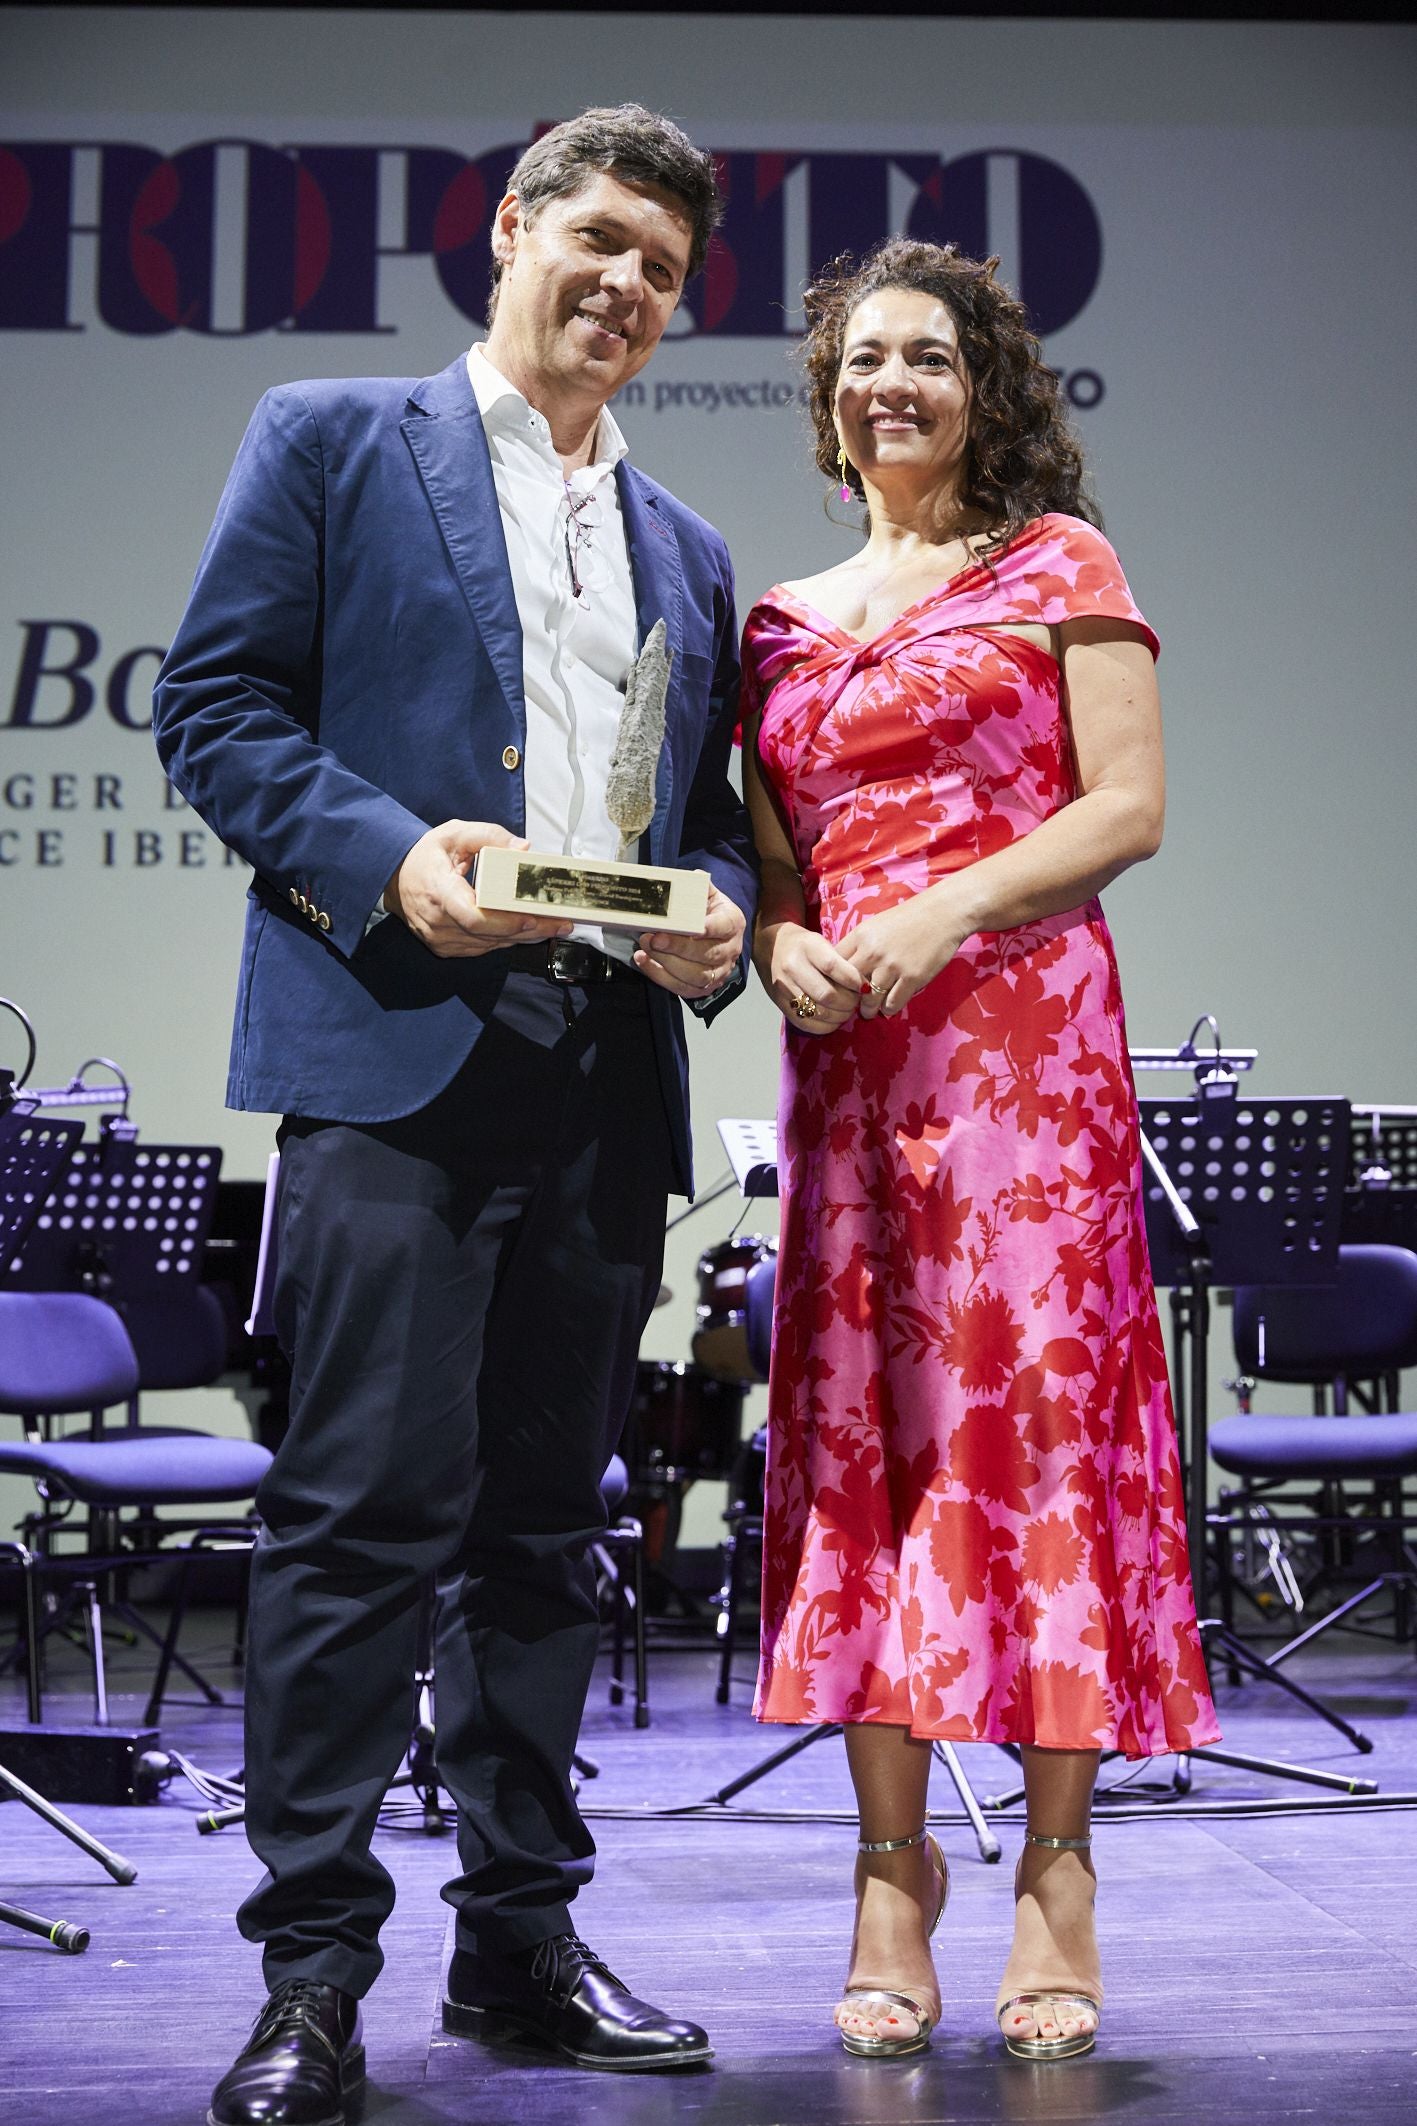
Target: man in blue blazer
x,y
410,637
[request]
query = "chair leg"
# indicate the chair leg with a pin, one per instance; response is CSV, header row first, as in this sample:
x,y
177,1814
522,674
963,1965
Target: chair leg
x,y
629,1601
617,1623
637,1587
1401,1585
28,1563
746,1528
94,1614
137,1622
29,1573
728,1615
152,1712
1225,1561
33,1669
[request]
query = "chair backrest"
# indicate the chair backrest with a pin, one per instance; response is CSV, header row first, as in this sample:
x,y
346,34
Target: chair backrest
x,y
179,1336
1362,1326
61,1352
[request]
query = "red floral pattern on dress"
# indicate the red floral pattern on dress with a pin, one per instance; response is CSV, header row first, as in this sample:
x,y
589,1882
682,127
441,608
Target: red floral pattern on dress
x,y
974,1515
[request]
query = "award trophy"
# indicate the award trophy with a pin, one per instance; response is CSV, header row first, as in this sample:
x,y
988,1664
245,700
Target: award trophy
x,y
591,889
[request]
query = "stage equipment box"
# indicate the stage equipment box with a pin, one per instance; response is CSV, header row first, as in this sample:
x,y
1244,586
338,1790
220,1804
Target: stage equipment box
x,y
101,1764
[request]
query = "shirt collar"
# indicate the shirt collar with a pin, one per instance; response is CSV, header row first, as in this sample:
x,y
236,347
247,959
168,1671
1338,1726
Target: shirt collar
x,y
504,409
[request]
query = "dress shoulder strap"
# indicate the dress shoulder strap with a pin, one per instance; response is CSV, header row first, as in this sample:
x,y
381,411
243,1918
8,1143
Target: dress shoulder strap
x,y
1060,569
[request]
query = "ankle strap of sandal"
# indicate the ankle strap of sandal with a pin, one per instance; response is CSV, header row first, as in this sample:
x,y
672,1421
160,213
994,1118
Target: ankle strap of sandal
x,y
890,1845
1059,1845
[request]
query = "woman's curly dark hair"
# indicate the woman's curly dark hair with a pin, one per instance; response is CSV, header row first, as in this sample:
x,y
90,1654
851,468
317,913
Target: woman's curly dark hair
x,y
1023,458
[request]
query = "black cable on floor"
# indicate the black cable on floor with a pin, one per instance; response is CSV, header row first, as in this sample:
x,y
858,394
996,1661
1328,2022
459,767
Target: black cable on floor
x,y
711,1811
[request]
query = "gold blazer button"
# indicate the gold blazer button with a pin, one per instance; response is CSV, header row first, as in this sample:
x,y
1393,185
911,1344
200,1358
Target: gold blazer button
x,y
324,920
511,758
295,895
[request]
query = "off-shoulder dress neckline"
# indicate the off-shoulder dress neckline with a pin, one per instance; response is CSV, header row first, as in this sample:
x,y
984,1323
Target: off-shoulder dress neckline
x,y
780,591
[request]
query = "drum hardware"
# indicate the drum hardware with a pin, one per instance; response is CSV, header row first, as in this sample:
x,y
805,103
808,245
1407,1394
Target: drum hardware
x,y
720,1340
683,1424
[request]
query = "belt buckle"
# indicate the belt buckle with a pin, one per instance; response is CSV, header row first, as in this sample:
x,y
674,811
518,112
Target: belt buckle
x,y
572,960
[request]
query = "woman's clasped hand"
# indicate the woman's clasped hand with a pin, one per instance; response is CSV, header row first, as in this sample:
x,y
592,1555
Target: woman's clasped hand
x,y
875,970
814,987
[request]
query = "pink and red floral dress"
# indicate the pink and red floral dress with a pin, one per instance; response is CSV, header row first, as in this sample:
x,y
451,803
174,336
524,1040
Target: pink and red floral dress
x,y
974,1517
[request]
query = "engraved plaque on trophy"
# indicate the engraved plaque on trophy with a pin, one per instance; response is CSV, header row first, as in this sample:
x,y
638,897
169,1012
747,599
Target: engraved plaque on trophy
x,y
591,889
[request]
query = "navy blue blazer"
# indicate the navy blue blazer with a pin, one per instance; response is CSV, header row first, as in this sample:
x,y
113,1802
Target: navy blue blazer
x,y
348,673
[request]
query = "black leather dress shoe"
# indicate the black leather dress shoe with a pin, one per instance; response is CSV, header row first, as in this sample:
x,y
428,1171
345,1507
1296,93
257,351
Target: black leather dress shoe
x,y
303,2063
562,1994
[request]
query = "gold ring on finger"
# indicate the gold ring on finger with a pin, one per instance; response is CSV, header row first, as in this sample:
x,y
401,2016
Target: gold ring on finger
x,y
804,1007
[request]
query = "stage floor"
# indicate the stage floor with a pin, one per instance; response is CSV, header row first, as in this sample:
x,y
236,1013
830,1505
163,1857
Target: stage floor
x,y
1259,1969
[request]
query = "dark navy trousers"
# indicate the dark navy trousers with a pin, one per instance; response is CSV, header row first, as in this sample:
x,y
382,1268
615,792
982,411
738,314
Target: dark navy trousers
x,y
461,1294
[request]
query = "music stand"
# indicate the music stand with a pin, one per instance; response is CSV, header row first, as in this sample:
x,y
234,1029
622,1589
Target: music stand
x,y
33,1154
1261,1184
1239,1190
129,1222
1379,1209
1380,1204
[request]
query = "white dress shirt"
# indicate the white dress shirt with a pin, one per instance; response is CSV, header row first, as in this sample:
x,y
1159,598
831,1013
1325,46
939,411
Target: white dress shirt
x,y
576,652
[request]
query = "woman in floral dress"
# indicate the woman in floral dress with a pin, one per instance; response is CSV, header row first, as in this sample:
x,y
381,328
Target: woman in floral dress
x,y
975,1528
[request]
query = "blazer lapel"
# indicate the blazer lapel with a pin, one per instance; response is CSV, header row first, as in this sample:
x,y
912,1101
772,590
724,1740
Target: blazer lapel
x,y
450,450
659,595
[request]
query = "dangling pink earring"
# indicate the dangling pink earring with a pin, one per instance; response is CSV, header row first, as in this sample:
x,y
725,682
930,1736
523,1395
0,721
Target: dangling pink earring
x,y
842,463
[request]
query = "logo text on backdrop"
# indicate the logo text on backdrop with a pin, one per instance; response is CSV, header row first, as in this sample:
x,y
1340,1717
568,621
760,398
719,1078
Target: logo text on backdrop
x,y
233,237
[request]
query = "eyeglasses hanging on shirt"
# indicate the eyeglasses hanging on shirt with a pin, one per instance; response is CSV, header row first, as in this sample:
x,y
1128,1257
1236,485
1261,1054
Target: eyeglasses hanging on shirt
x,y
586,565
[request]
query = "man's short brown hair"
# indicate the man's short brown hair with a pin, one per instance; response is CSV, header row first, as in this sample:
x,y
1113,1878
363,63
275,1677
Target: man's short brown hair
x,y
626,141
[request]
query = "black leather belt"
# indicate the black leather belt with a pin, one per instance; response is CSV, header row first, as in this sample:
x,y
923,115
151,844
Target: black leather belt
x,y
568,960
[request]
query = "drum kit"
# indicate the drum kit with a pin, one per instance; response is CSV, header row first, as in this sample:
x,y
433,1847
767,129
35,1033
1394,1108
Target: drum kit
x,y
685,1419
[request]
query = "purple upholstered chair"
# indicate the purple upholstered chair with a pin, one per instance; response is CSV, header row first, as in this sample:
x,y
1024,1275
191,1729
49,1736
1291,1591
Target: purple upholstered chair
x,y
61,1354
1350,1341
179,1338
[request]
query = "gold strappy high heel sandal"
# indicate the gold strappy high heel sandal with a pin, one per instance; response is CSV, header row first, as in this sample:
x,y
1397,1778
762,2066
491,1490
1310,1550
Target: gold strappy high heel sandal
x,y
1051,2048
869,2000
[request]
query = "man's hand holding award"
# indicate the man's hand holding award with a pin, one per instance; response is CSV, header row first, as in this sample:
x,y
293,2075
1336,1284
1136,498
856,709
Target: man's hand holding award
x,y
520,895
